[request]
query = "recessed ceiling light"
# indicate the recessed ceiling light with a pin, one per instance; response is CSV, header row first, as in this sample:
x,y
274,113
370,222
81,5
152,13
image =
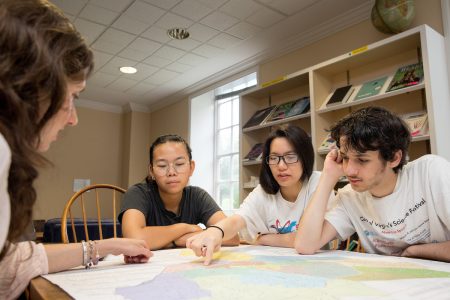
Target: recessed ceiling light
x,y
178,33
128,70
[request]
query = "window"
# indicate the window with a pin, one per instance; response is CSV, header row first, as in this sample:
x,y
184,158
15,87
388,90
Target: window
x,y
214,139
226,156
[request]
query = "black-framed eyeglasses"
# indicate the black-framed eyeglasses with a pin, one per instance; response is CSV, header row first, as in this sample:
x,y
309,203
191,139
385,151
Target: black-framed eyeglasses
x,y
287,158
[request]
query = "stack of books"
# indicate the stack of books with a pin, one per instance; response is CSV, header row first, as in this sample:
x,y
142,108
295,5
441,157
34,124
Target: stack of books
x,y
279,112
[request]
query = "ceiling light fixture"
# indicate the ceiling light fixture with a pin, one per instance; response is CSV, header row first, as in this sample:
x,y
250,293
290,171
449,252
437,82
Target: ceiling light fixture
x,y
128,70
178,33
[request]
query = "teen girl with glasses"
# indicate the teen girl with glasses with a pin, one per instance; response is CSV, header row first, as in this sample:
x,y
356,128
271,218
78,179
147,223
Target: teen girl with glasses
x,y
271,212
163,210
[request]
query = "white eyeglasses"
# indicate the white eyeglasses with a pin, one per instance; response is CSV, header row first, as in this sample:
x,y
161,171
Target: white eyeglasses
x,y
162,168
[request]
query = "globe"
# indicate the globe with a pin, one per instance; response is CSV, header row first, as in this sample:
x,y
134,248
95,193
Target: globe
x,y
392,16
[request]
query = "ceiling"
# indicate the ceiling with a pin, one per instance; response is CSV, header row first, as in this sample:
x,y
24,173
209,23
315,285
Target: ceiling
x,y
226,37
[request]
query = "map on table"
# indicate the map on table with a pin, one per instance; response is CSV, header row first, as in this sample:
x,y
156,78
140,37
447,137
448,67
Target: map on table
x,y
257,272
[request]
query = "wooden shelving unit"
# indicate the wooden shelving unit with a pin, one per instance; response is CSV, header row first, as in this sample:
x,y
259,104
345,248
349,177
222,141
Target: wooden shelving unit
x,y
383,58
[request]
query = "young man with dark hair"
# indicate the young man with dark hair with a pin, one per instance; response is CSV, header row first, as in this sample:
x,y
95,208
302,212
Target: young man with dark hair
x,y
396,208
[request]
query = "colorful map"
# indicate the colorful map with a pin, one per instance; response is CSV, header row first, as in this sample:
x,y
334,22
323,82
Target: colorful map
x,y
257,272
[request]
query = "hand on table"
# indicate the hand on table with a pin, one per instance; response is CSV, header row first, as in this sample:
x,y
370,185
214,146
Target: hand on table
x,y
205,244
134,251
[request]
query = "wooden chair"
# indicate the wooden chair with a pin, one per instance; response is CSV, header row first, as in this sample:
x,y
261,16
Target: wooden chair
x,y
67,213
353,243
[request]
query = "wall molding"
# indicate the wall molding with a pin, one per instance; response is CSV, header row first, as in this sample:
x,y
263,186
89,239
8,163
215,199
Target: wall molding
x,y
98,106
132,106
128,107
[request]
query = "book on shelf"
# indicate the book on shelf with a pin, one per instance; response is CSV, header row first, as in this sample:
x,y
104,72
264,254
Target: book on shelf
x,y
370,88
280,112
417,123
327,144
406,76
259,116
340,95
301,106
289,109
255,153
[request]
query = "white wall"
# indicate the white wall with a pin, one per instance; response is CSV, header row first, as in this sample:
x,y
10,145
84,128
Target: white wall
x,y
202,140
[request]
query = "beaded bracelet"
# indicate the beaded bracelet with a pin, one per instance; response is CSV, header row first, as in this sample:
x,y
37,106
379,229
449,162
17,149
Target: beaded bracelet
x,y
93,261
90,259
214,226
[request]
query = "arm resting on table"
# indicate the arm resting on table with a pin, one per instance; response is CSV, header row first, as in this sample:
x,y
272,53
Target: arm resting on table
x,y
433,251
157,237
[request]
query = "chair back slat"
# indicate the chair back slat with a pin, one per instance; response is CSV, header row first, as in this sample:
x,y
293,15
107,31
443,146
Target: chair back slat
x,y
83,210
114,213
74,233
84,206
99,219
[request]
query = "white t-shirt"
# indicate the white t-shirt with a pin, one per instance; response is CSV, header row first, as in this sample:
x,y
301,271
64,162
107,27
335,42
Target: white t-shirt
x,y
5,210
265,213
418,211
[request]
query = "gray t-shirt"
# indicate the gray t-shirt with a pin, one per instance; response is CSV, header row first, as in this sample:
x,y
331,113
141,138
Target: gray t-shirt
x,y
196,205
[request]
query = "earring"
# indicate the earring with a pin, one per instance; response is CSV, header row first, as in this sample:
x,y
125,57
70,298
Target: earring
x,y
153,177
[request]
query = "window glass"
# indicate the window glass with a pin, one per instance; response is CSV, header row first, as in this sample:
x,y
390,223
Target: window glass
x,y
226,161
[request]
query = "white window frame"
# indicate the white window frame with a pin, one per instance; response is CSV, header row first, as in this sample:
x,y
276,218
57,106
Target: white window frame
x,y
206,165
245,79
218,156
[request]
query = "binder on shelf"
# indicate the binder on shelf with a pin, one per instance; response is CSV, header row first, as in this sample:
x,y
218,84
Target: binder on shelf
x,y
406,76
255,153
417,123
370,88
340,95
259,116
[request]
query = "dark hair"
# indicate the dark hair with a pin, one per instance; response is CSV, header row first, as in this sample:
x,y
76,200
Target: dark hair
x,y
372,129
40,52
169,138
302,144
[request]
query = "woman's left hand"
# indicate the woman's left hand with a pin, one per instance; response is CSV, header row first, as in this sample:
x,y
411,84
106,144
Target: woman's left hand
x,y
133,250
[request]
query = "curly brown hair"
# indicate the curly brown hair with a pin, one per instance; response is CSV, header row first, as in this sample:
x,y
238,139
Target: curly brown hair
x,y
374,129
41,52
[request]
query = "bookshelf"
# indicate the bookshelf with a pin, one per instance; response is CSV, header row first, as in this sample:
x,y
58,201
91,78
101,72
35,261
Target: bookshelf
x,y
290,88
383,58
420,44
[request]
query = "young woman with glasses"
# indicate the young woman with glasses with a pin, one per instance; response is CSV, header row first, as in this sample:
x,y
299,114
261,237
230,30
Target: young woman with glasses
x,y
163,210
271,212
